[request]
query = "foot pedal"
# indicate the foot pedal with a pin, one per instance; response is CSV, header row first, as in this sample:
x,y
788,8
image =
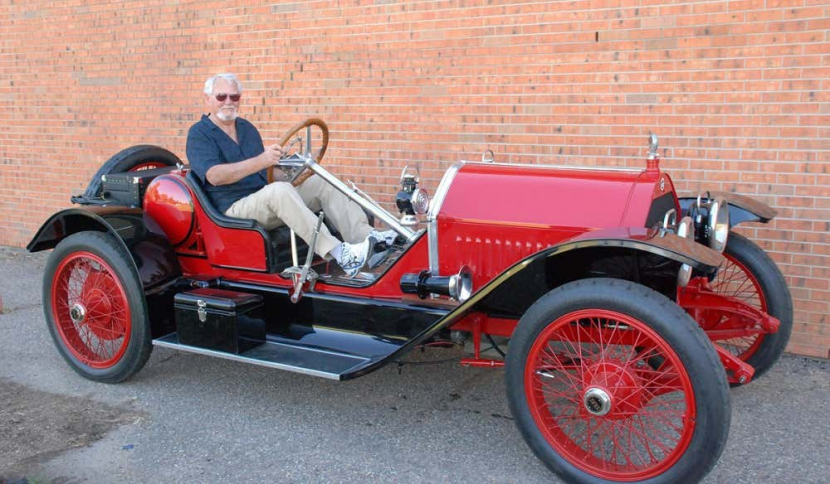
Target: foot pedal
x,y
378,258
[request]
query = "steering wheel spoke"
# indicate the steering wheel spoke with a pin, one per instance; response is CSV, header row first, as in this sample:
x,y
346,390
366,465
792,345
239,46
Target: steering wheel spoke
x,y
299,163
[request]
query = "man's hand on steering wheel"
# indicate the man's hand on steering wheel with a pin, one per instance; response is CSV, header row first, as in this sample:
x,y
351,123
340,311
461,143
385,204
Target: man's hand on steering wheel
x,y
272,154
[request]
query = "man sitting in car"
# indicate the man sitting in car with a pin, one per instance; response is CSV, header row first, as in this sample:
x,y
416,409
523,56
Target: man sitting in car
x,y
227,154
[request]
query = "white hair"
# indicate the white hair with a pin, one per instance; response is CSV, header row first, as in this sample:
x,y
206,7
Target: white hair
x,y
227,76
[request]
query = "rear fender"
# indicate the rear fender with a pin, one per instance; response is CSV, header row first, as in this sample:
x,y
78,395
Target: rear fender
x,y
153,257
741,209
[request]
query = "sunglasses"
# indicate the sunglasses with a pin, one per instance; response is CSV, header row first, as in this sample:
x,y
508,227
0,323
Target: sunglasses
x,y
234,97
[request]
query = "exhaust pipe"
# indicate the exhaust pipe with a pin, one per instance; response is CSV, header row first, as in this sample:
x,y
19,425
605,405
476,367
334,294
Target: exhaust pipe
x,y
458,286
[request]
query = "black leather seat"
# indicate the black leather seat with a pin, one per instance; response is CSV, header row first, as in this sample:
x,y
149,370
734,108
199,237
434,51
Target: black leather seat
x,y
218,217
278,239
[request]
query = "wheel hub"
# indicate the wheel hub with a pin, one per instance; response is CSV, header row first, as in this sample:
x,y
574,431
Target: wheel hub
x,y
612,392
97,295
77,313
597,401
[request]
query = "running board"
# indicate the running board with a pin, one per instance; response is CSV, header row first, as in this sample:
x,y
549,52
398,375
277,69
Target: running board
x,y
287,354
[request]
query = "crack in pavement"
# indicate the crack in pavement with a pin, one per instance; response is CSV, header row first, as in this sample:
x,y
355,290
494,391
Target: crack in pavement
x,y
9,310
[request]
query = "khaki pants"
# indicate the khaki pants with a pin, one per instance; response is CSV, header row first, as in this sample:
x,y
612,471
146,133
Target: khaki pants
x,y
279,204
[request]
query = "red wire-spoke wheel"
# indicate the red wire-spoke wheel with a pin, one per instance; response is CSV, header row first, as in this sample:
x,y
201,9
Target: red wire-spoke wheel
x,y
610,381
751,276
149,165
736,280
610,394
94,307
91,310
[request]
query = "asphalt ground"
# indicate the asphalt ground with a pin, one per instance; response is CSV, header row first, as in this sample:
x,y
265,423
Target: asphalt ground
x,y
191,418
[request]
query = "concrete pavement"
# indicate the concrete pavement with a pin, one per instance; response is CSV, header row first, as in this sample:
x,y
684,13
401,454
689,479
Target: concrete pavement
x,y
190,418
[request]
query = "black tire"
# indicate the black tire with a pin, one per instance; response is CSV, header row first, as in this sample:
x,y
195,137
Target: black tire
x,y
763,352
130,159
95,309
674,346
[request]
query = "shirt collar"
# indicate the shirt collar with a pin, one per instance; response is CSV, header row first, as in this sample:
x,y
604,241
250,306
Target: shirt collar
x,y
239,126
206,119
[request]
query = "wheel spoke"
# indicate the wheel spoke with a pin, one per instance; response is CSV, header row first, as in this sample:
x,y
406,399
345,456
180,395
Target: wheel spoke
x,y
644,439
667,423
575,350
562,395
573,382
632,444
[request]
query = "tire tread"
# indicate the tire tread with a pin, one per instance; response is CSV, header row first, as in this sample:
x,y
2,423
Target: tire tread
x,y
778,297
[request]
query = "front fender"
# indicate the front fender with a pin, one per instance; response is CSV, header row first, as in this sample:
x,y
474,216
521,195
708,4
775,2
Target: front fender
x,y
510,293
154,258
648,257
657,242
741,209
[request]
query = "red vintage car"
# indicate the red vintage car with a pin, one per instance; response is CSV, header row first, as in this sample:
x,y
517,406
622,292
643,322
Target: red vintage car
x,y
620,312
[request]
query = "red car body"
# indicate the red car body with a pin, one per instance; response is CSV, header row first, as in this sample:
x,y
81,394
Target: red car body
x,y
585,270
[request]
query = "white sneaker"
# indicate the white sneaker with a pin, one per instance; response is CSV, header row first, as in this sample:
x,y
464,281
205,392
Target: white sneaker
x,y
353,257
387,236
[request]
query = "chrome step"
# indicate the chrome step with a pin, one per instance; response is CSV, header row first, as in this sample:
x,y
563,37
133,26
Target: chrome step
x,y
281,355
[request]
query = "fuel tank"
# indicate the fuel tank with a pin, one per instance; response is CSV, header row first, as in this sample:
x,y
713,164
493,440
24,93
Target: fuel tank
x,y
490,215
169,202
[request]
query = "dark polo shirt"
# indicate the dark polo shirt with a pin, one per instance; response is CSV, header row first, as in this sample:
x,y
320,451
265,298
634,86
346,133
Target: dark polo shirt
x,y
208,145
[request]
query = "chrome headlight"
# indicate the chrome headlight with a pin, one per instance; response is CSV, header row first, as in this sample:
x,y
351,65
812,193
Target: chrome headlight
x,y
420,201
718,224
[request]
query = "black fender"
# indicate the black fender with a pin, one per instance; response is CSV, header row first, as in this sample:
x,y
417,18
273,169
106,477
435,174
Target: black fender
x,y
510,293
741,209
646,256
153,257
652,258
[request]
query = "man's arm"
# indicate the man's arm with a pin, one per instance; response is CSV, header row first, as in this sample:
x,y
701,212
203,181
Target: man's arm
x,y
206,160
227,173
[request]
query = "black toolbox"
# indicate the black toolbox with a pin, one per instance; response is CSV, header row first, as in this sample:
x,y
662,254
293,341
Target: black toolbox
x,y
128,188
219,319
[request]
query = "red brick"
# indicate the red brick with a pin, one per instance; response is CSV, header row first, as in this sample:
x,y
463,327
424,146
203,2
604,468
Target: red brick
x,y
739,93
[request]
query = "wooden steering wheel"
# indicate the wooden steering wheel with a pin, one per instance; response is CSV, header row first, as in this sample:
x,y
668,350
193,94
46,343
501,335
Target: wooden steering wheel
x,y
304,174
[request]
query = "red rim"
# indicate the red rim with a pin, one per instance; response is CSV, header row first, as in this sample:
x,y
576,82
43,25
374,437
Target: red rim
x,y
91,310
148,165
735,280
610,395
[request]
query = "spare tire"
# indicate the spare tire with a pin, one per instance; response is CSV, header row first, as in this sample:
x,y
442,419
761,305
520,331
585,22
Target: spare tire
x,y
134,158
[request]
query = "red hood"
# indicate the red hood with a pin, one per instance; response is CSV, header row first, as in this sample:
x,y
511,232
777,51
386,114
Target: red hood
x,y
550,196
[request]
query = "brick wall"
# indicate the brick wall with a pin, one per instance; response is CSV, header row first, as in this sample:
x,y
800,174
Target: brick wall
x,y
739,92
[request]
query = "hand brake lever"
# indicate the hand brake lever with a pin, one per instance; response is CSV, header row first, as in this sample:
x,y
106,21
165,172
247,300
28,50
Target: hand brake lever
x,y
307,272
